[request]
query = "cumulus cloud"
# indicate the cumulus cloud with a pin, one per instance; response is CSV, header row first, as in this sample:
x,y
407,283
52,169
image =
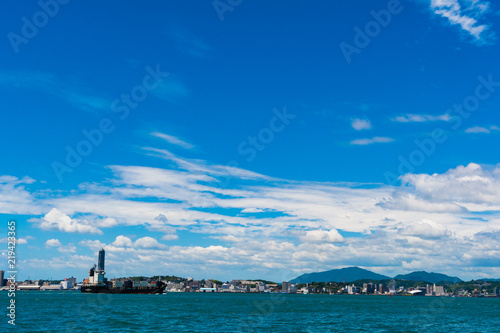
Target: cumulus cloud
x,y
426,229
60,247
18,240
147,242
144,242
361,124
122,241
465,14
464,184
322,236
169,237
53,242
57,220
377,139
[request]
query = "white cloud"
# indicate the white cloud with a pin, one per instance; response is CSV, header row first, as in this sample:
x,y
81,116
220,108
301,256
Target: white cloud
x,y
169,237
57,220
420,118
92,244
322,236
173,140
462,185
18,240
147,242
53,242
479,129
377,139
425,229
466,14
361,124
253,210
300,234
122,241
15,198
410,202
61,248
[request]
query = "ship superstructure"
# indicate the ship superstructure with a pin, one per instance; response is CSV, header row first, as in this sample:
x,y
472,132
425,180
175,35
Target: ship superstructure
x,y
96,283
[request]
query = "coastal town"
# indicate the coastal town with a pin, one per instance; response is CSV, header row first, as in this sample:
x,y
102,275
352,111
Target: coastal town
x,y
474,288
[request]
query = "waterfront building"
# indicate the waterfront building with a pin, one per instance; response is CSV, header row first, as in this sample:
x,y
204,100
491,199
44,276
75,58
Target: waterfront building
x,y
382,288
438,290
285,286
1,279
67,284
429,290
392,287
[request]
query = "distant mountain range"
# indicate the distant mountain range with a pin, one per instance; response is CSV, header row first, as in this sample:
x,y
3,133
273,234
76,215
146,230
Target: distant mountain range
x,y
351,274
427,277
348,274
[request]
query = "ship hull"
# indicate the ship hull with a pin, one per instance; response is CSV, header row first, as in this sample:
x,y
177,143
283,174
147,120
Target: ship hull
x,y
112,290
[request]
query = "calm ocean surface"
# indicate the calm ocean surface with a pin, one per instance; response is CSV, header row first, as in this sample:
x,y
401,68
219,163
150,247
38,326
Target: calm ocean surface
x,y
196,312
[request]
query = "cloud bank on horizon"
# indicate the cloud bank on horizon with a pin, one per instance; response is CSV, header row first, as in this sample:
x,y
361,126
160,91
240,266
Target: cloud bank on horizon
x,y
259,224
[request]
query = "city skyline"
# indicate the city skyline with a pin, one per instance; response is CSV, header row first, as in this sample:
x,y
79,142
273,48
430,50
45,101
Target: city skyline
x,y
230,140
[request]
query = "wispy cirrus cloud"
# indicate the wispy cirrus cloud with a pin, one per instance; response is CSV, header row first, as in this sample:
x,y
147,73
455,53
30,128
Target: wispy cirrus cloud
x,y
479,129
466,14
420,118
376,139
172,90
188,43
53,85
173,140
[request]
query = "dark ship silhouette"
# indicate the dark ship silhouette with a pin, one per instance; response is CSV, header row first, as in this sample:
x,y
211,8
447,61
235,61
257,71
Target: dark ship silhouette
x,y
98,284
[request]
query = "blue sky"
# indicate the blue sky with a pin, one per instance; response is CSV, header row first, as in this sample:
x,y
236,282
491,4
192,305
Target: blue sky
x,y
251,139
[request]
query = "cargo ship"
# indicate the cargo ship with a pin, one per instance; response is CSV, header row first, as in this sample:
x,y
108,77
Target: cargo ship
x,y
96,283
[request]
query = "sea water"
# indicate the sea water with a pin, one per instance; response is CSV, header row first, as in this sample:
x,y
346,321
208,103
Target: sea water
x,y
69,311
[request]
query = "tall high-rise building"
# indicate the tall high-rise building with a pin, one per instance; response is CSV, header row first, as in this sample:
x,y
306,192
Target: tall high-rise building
x,y
429,289
1,278
100,262
285,286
